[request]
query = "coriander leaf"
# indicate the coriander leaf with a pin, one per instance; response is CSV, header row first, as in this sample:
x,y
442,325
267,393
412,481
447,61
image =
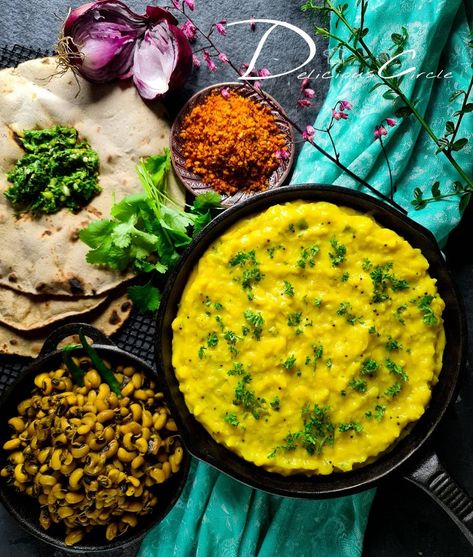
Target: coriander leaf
x,y
207,200
145,298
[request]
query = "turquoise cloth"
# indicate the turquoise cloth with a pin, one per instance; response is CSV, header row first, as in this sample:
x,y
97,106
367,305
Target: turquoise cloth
x,y
219,517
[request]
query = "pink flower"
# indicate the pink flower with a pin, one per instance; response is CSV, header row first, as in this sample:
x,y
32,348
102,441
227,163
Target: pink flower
x,y
345,105
190,4
189,30
210,63
252,23
225,92
257,84
309,93
264,72
305,83
304,103
379,131
391,122
282,154
195,61
176,4
308,133
339,115
223,57
221,27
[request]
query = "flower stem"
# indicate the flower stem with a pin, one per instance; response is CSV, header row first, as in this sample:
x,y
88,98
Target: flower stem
x,y
462,113
392,189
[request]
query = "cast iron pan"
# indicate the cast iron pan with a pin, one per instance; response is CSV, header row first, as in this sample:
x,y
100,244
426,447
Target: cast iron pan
x,y
24,508
428,472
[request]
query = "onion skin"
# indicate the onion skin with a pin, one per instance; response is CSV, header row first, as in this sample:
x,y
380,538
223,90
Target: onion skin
x,y
105,40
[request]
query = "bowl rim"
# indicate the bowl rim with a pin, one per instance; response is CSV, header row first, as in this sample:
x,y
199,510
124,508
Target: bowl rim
x,y
198,440
241,196
8,493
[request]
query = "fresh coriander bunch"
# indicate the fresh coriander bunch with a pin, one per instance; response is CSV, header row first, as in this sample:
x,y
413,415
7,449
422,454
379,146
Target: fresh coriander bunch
x,y
148,231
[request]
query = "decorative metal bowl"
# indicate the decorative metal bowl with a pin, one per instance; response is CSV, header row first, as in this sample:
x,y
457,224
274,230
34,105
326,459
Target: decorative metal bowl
x,y
193,182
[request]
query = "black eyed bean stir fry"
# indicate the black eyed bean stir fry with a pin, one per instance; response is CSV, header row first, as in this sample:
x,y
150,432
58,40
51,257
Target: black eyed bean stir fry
x,y
92,457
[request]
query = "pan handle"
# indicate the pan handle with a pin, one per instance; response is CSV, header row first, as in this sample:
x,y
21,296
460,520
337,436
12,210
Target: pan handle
x,y
430,475
51,343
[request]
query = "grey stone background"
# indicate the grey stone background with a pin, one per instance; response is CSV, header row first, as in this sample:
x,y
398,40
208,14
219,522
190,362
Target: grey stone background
x,y
403,520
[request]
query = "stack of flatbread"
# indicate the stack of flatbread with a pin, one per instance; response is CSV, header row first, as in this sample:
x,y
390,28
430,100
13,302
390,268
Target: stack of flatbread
x,y
44,276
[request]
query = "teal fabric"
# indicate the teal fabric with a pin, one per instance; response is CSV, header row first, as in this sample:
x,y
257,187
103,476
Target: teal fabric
x,y
217,516
438,31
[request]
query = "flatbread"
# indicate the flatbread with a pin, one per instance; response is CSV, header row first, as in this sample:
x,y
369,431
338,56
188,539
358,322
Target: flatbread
x,y
29,343
43,255
26,312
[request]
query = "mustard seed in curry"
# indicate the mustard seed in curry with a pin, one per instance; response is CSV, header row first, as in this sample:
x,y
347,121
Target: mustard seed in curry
x,y
308,338
231,142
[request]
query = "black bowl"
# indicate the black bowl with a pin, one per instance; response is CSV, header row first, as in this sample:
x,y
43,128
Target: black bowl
x,y
201,444
26,509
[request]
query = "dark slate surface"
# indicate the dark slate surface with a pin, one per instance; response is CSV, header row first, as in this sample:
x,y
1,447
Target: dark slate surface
x,y
403,520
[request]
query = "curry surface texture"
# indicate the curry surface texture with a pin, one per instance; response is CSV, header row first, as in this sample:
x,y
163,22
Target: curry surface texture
x,y
308,337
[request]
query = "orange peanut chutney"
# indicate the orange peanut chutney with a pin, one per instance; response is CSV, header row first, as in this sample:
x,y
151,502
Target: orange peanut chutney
x,y
231,142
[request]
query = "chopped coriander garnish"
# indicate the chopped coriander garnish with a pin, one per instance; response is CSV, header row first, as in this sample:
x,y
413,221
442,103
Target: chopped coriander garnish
x,y
245,330
338,255
247,399
307,256
256,320
275,404
238,369
231,419
299,331
379,412
345,276
271,251
396,369
251,277
201,352
392,344
230,337
350,426
383,279
294,319
366,265
291,227
219,320
289,362
212,340
372,330
218,306
328,363
429,317
318,351
393,390
243,257
317,302
307,360
288,288
359,385
369,367
398,314
343,308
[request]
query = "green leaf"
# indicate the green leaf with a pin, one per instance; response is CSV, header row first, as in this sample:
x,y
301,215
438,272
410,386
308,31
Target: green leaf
x,y
389,95
464,201
450,127
397,38
403,112
459,144
145,298
206,201
467,108
436,189
96,232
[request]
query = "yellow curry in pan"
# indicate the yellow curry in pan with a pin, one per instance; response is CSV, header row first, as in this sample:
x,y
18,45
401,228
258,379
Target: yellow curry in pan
x,y
308,337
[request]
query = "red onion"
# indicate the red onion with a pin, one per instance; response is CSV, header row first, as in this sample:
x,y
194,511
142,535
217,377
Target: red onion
x,y
105,40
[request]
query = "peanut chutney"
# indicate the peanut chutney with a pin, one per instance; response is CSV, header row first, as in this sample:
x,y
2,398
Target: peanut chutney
x,y
308,337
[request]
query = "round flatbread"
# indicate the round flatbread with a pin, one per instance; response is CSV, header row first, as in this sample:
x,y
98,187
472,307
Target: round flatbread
x,y
28,343
43,255
26,312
